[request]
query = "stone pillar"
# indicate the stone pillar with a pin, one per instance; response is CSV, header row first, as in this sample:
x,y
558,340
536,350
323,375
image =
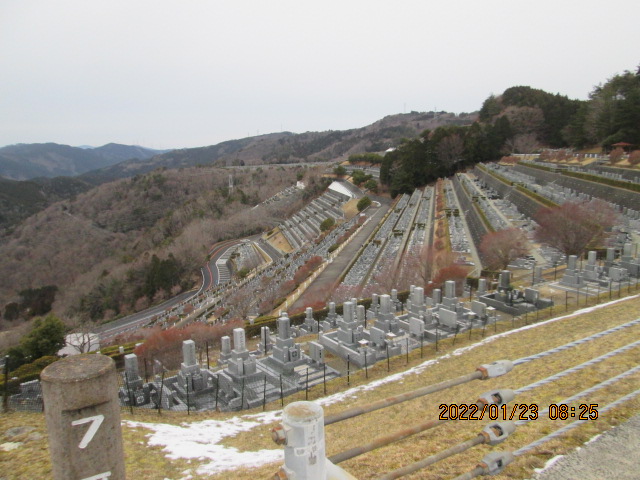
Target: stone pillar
x,y
360,313
225,345
82,411
436,296
592,258
537,274
347,312
265,340
449,289
284,328
572,262
239,340
385,304
418,297
611,254
482,286
189,353
374,301
505,279
131,366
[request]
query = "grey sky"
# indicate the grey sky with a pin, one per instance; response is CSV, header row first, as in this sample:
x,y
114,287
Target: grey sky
x,y
190,73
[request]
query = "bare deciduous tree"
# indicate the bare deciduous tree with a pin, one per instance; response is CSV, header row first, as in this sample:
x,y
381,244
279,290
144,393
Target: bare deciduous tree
x,y
616,155
523,143
502,247
450,149
572,227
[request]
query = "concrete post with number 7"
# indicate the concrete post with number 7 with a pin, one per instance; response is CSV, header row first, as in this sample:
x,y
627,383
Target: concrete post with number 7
x,y
82,411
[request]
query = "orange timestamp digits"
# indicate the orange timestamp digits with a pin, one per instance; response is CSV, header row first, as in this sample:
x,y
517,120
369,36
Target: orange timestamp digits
x,y
463,411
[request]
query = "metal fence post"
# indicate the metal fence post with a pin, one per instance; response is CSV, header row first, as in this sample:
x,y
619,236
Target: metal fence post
x,y
5,398
281,392
264,394
217,388
131,400
187,389
324,377
348,373
407,350
160,393
83,418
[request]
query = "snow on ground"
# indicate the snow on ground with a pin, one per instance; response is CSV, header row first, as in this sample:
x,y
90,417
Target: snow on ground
x,y
548,464
201,440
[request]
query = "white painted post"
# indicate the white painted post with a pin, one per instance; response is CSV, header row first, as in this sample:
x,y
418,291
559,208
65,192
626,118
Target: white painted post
x,y
302,434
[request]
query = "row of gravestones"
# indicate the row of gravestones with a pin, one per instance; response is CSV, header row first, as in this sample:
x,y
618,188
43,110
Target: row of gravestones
x,y
564,189
279,368
603,275
362,266
621,197
561,188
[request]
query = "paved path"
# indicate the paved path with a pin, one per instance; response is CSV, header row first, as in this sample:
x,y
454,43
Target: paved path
x,y
324,282
613,455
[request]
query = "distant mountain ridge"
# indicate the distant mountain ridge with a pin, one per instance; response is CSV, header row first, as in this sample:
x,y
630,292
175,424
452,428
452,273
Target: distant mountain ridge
x,y
28,161
287,147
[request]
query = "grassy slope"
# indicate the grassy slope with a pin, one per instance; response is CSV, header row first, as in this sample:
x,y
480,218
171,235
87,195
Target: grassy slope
x,y
143,462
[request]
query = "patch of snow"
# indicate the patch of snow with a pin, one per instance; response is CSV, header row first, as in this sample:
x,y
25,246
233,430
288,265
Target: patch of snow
x,y
549,463
201,441
7,447
593,439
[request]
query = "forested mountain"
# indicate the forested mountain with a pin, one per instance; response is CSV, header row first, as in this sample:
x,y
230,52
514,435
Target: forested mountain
x,y
521,120
110,250
611,115
27,161
21,199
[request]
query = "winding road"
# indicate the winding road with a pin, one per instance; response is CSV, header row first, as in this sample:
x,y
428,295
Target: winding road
x,y
130,323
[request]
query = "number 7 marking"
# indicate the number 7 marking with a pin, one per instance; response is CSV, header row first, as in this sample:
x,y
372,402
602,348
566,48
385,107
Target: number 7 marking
x,y
96,421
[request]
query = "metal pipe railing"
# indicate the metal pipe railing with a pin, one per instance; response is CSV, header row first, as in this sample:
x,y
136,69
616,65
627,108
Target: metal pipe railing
x,y
414,467
495,397
483,372
383,441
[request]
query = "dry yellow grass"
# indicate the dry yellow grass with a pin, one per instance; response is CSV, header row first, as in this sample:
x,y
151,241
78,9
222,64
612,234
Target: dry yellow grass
x,y
350,208
279,241
365,428
31,460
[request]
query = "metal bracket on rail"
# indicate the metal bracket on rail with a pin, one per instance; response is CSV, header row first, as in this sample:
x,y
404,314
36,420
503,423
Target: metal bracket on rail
x,y
495,369
494,462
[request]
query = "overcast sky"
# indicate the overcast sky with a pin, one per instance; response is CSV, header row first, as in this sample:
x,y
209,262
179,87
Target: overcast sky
x,y
185,73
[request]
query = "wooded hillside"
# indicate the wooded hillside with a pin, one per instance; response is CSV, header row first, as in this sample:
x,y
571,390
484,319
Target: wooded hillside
x,y
111,250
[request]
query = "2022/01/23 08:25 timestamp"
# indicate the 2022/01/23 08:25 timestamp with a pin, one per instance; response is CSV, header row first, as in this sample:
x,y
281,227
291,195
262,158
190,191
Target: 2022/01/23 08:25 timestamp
x,y
517,411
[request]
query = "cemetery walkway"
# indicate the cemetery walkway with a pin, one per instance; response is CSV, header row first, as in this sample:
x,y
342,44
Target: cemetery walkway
x,y
611,455
323,284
